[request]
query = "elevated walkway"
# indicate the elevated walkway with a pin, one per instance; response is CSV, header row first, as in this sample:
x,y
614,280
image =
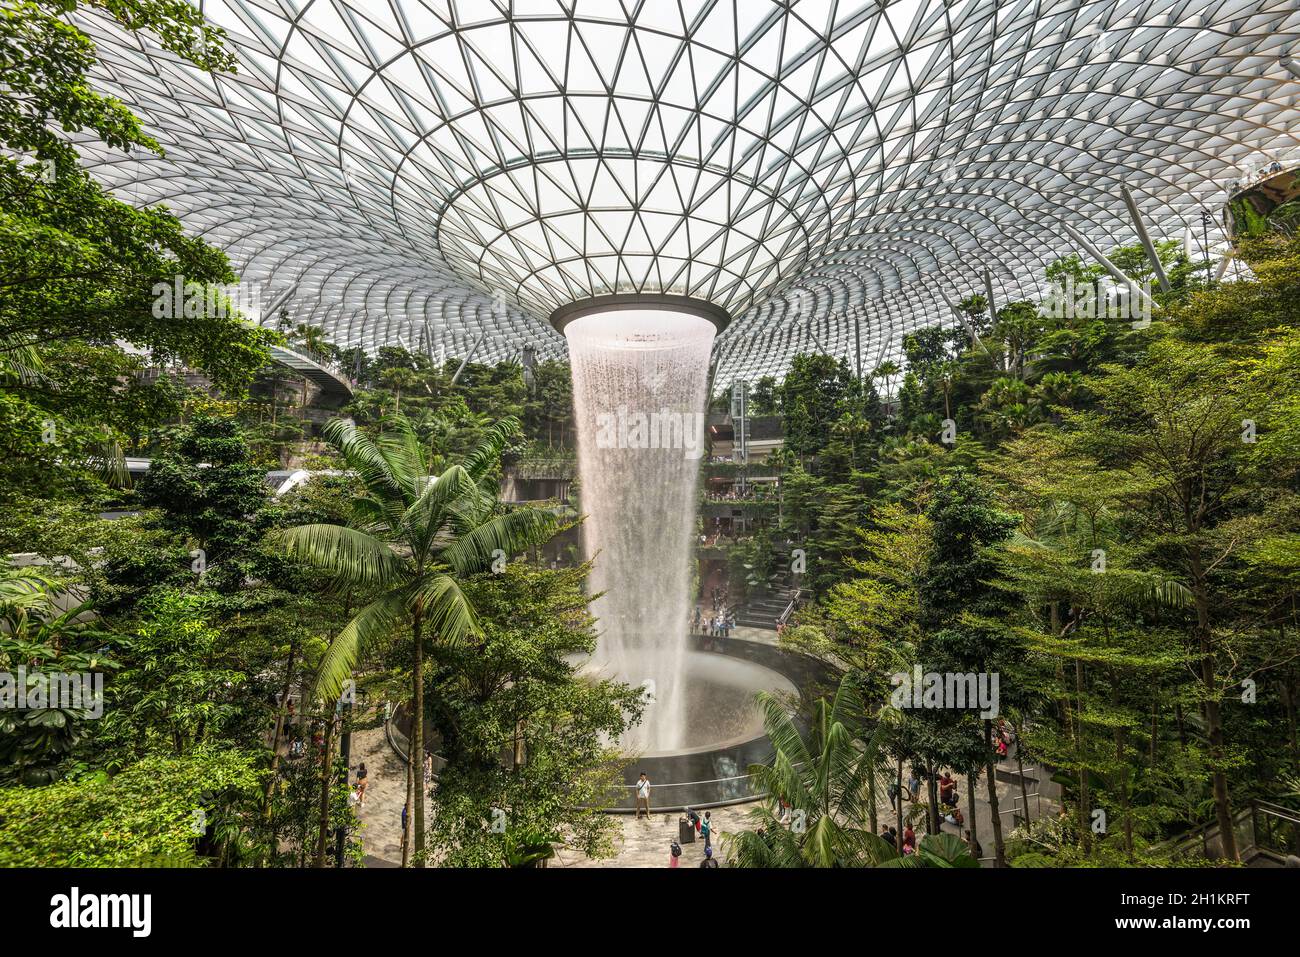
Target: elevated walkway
x,y
334,388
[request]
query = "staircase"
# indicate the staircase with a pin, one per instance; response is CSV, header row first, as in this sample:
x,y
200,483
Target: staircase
x,y
765,607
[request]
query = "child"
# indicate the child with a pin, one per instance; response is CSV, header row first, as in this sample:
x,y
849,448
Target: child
x,y
674,853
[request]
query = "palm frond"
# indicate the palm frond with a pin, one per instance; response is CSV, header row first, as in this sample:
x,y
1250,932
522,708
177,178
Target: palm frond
x,y
401,449
370,623
20,362
353,557
425,516
364,458
487,452
510,533
450,616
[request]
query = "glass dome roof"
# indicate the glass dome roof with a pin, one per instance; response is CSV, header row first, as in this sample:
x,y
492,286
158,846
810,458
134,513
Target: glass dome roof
x,y
436,172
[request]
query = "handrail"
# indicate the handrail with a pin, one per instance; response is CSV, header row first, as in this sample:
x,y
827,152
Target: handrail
x,y
1277,810
789,609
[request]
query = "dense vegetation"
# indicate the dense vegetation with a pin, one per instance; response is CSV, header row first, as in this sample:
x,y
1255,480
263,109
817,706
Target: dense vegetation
x,y
1101,512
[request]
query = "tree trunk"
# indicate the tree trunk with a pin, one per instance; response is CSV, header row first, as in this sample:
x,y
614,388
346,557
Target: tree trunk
x,y
1123,794
417,734
999,850
932,791
1210,709
972,779
327,766
1020,772
1155,731
898,838
871,800
279,730
1122,770
410,792
1085,799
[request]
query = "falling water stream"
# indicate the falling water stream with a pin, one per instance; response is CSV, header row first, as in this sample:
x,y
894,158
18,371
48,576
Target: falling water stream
x,y
640,379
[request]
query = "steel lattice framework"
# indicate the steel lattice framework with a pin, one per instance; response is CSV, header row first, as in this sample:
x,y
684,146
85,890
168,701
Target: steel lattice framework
x,y
832,173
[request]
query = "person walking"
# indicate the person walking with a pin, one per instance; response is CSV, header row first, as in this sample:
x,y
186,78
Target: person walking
x,y
706,831
643,795
361,784
708,858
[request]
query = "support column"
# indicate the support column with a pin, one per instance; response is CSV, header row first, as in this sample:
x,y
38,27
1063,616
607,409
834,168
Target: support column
x,y
1110,267
1149,246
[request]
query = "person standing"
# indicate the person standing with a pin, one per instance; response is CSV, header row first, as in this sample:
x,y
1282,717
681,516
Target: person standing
x,y
708,858
706,832
643,795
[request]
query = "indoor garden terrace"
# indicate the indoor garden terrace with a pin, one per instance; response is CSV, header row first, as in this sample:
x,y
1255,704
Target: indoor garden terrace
x,y
718,434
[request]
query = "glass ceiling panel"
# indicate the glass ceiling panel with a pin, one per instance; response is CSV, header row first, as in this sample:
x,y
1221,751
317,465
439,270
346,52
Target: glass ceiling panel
x,y
427,173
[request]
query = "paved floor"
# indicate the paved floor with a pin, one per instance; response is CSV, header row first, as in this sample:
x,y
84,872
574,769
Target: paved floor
x,y
643,843
381,814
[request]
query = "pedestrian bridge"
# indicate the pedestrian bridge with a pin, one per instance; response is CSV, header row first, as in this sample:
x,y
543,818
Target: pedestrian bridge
x,y
335,388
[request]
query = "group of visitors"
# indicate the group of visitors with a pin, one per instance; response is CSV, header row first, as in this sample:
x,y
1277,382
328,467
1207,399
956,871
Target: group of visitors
x,y
1253,177
949,807
717,625
890,834
1003,737
703,828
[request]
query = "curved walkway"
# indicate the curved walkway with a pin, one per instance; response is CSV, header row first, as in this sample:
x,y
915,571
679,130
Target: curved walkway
x,y
332,385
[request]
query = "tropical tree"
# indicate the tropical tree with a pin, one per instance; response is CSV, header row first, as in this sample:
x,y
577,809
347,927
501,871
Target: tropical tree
x,y
415,537
39,636
823,785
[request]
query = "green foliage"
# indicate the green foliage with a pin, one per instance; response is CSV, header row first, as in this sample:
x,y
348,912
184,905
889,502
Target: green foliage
x,y
522,732
208,490
80,266
176,691
155,813
42,643
828,779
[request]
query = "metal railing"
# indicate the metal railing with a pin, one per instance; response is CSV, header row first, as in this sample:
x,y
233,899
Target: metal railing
x,y
1261,829
669,798
1277,829
789,608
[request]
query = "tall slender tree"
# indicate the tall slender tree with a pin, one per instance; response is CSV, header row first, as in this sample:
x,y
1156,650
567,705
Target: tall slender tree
x,y
415,537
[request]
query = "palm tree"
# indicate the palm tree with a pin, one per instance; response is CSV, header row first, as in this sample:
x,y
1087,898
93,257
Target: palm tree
x,y
398,378
937,850
312,338
416,537
887,371
829,781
